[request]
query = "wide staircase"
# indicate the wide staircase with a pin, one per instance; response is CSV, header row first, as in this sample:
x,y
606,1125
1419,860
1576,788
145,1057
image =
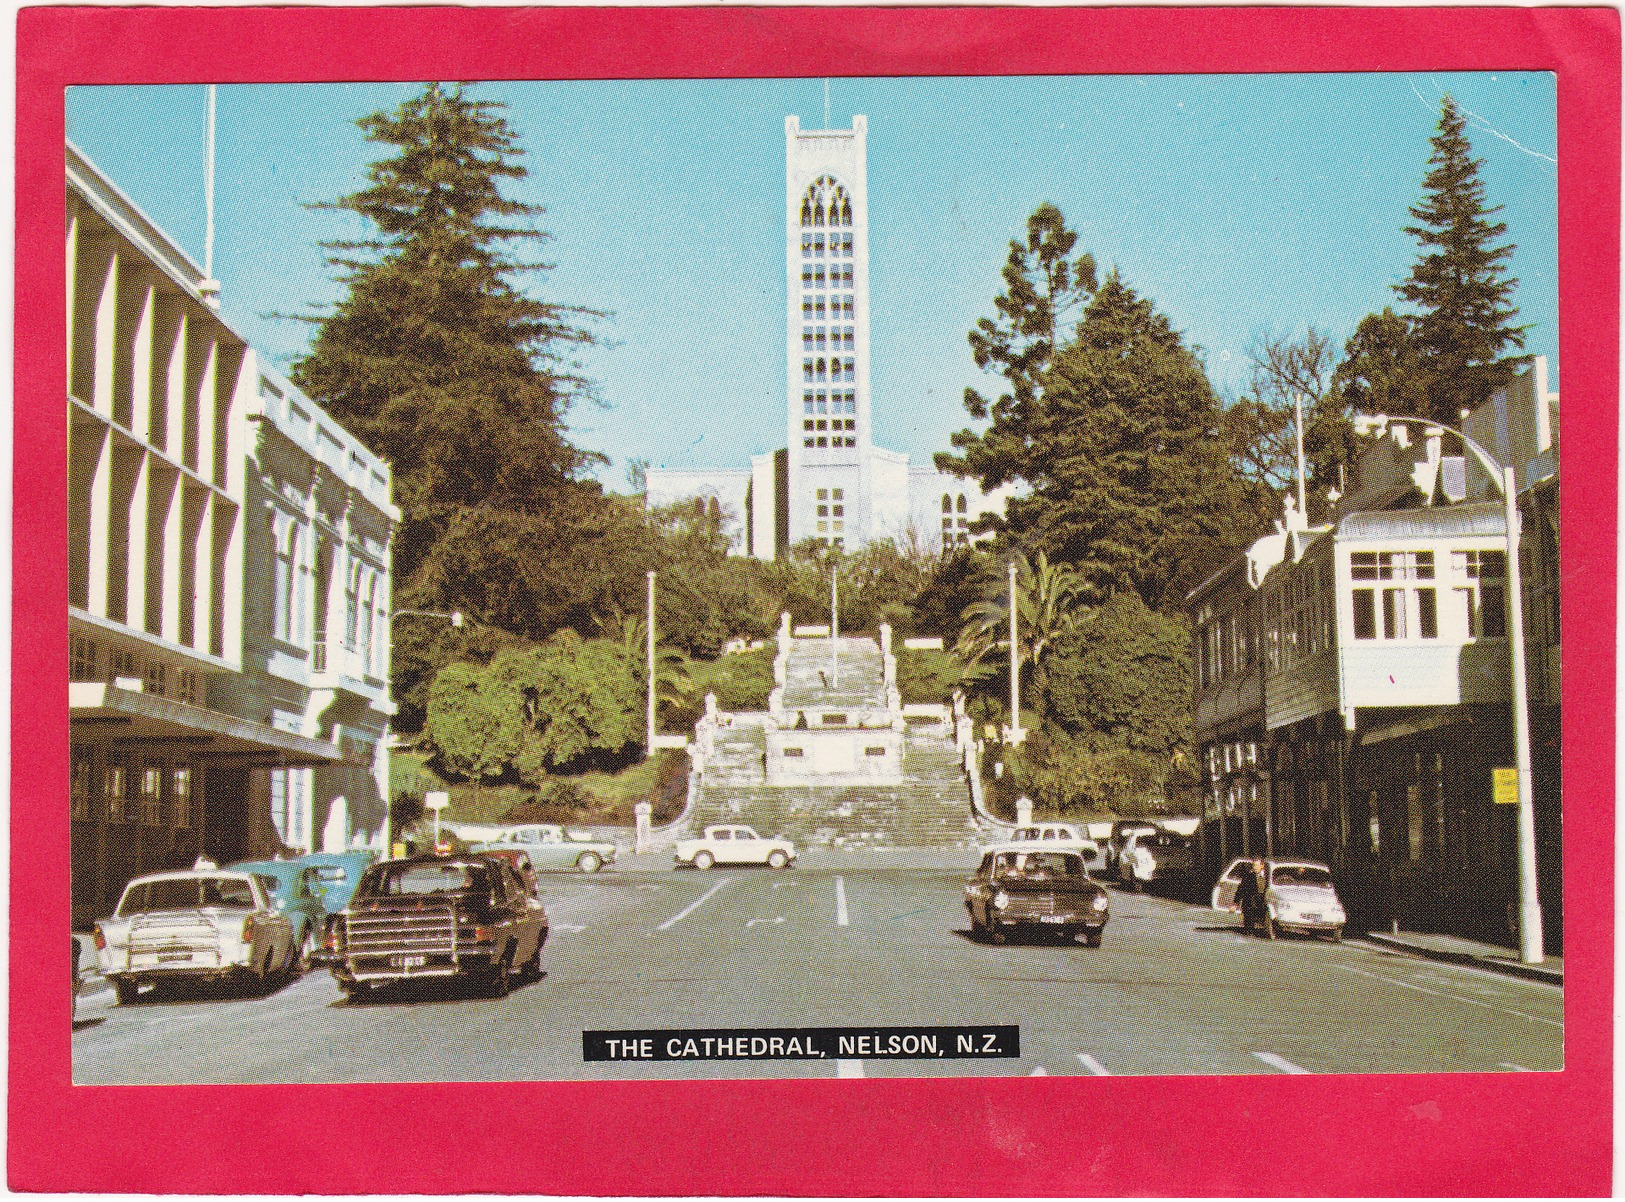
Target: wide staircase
x,y
929,807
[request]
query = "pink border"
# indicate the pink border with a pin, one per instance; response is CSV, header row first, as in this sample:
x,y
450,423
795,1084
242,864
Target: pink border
x,y
1517,1134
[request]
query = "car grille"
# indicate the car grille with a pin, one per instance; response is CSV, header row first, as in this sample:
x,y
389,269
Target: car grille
x,y
397,943
1030,905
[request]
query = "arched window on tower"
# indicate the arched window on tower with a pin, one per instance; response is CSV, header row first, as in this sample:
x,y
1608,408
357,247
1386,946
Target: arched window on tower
x,y
947,503
961,502
826,202
806,212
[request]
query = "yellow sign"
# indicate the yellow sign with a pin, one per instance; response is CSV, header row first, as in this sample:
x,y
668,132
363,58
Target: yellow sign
x,y
1506,786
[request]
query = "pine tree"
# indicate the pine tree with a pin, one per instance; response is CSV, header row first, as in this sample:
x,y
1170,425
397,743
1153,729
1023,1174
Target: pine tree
x,y
1462,295
434,358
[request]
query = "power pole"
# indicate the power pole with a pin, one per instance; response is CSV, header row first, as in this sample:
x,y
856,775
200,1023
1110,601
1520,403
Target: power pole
x,y
1015,664
651,666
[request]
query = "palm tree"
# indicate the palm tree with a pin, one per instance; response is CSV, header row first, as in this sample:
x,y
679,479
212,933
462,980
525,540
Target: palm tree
x,y
1049,603
674,686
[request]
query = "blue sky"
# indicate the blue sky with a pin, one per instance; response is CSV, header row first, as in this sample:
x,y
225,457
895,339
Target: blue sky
x,y
1243,205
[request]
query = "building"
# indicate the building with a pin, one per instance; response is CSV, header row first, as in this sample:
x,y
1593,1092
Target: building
x,y
224,540
1353,679
829,482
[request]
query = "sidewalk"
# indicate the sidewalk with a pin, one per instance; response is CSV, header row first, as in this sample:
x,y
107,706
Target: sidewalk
x,y
1452,950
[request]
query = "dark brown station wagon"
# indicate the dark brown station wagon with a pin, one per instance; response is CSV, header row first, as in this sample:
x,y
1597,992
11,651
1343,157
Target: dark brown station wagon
x,y
467,916
1017,889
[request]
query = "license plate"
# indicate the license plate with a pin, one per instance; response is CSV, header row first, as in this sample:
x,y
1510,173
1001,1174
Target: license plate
x,y
1311,917
166,957
1052,918
408,961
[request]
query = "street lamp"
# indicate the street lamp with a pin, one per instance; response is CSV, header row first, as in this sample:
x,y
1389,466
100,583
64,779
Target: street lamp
x,y
1016,733
834,623
650,715
455,617
1530,935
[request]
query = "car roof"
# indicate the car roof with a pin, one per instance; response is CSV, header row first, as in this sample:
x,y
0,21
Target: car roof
x,y
268,867
193,874
1025,847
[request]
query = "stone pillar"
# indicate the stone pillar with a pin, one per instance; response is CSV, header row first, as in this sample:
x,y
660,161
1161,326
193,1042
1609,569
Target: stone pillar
x,y
1024,811
711,708
885,638
641,837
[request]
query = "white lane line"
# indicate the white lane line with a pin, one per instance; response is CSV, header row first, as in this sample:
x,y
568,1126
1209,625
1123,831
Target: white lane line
x,y
1280,1062
849,1068
767,921
689,909
840,902
1093,1065
1517,1068
1451,997
568,926
1039,1071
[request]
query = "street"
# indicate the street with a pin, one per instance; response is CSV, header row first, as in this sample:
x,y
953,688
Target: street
x,y
1175,990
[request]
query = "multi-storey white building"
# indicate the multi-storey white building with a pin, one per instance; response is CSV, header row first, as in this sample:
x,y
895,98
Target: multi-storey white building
x,y
228,577
830,483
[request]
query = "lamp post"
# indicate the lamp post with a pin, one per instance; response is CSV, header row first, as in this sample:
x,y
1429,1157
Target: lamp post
x,y
455,617
650,623
834,622
1531,937
1015,665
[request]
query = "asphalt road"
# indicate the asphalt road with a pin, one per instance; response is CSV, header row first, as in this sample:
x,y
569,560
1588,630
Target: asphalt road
x,y
1175,990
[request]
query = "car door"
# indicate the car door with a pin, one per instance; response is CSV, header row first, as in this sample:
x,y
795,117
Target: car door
x,y
1224,893
749,847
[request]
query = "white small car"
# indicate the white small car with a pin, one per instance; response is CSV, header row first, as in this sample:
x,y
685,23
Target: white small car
x,y
201,924
1057,835
1300,897
733,845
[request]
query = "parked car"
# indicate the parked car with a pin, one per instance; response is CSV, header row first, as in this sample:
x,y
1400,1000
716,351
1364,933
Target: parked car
x,y
1301,896
74,940
337,873
210,925
733,845
520,859
1017,888
1121,830
551,847
1057,834
294,889
439,915
1156,856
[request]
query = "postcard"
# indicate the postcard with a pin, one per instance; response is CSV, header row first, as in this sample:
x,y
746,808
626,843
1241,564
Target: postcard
x,y
815,601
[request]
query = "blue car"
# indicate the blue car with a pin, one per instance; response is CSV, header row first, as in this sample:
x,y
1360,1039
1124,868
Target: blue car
x,y
292,886
337,873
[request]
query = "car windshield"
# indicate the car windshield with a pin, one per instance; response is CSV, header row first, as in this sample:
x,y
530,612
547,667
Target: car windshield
x,y
271,884
329,872
1302,874
416,879
188,893
1164,839
1037,864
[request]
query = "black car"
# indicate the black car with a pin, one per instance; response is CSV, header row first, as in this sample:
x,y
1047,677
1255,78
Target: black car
x,y
428,916
1019,889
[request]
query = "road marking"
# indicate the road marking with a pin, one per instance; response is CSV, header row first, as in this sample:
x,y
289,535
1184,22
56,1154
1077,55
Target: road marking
x,y
786,884
849,1068
1039,1071
1286,1066
655,888
1093,1065
765,921
1517,1068
568,926
689,909
840,902
1452,997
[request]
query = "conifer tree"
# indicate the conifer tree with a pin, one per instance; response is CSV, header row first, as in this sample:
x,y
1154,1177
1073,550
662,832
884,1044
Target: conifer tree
x,y
438,362
1464,314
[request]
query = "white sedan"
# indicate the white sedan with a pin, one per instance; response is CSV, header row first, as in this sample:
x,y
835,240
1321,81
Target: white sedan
x,y
1057,836
202,924
1300,897
734,845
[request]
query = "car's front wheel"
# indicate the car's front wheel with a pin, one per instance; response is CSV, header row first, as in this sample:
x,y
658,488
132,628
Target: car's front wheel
x,y
703,860
590,861
501,977
1092,938
126,992
777,859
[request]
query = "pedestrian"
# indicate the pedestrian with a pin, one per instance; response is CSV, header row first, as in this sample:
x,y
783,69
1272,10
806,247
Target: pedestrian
x,y
1250,897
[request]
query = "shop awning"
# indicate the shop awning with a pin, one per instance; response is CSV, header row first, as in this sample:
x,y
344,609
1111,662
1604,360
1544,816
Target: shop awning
x,y
121,718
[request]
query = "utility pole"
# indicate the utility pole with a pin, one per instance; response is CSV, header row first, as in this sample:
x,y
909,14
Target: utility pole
x,y
834,623
650,623
1303,503
1531,938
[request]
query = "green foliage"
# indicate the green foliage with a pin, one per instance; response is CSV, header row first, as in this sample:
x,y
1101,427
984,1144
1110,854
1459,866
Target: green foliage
x,y
474,722
1070,778
928,677
1463,324
1123,680
1382,371
1049,604
581,701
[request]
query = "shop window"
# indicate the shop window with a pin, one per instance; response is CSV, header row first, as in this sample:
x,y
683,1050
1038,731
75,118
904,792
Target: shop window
x,y
79,785
152,795
181,795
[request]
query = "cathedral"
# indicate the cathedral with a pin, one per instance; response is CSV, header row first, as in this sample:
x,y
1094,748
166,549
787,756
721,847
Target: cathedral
x,y
829,481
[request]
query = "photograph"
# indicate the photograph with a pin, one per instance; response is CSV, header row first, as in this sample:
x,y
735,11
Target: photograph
x,y
734,585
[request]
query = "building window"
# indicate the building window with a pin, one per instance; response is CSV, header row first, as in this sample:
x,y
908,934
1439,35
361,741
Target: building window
x,y
806,275
152,795
838,494
960,504
1484,595
79,785
806,371
818,277
120,663
1365,616
1393,613
823,527
806,340
186,686
947,523
840,510
806,308
823,511
823,494
823,442
155,679
806,442
114,782
1427,613
83,659
837,527
947,503
181,792
1391,565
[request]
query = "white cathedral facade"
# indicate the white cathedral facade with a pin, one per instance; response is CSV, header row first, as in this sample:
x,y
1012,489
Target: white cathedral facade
x,y
830,482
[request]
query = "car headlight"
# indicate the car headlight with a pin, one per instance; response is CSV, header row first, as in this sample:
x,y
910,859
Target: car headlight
x,y
1100,902
1001,899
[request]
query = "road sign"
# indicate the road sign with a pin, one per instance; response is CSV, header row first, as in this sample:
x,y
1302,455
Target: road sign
x,y
1506,786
